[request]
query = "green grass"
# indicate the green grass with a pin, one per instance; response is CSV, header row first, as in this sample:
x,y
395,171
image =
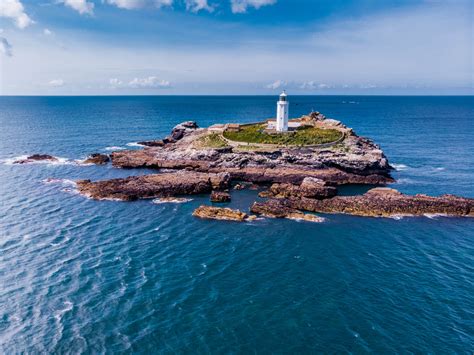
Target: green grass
x,y
306,135
212,140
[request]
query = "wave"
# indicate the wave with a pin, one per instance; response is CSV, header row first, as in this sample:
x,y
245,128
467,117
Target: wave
x,y
115,148
400,167
171,200
57,161
134,144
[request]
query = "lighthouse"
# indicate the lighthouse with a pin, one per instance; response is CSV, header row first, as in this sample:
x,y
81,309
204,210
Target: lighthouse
x,y
282,113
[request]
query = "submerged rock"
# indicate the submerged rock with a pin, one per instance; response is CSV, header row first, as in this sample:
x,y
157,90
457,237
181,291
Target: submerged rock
x,y
97,158
220,196
36,157
153,186
227,214
385,202
309,187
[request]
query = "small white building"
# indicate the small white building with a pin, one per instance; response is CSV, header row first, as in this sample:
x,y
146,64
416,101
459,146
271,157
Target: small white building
x,y
282,113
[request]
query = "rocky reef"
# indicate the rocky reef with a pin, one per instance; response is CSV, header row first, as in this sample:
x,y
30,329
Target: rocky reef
x,y
153,186
377,202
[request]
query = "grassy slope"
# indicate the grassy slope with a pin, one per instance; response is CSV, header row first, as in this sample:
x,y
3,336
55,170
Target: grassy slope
x,y
303,136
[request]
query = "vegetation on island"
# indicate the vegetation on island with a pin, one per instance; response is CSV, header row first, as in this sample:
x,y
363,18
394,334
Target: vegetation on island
x,y
304,135
213,140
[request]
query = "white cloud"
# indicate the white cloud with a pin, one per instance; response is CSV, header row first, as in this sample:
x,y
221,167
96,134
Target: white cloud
x,y
198,5
56,83
241,6
276,85
149,82
115,83
47,32
14,10
5,47
138,4
81,6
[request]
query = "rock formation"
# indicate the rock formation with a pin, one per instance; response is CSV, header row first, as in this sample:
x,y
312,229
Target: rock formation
x,y
220,196
354,160
35,158
155,185
378,202
97,158
220,213
276,208
309,187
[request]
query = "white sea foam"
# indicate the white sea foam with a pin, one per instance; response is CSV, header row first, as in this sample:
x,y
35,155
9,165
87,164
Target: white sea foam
x,y
57,161
400,167
114,148
435,215
134,144
171,200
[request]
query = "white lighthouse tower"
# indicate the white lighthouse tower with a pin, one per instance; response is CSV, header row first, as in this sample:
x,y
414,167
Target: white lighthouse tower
x,y
282,113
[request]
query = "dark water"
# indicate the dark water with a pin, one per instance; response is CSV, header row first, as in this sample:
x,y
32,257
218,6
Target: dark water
x,y
84,276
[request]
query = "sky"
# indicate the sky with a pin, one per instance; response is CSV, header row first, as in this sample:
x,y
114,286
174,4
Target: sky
x,y
235,47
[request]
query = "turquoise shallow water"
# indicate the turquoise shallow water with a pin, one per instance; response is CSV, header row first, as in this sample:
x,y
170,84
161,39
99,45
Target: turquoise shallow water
x,y
84,276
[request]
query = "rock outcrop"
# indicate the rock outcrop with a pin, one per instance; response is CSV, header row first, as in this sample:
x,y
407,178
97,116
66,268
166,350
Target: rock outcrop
x,y
35,158
276,208
226,214
97,158
378,202
309,187
220,196
153,186
354,160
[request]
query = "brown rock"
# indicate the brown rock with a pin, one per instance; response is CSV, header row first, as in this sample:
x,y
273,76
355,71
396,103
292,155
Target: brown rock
x,y
220,196
220,213
281,208
97,158
386,202
155,185
153,143
36,157
309,187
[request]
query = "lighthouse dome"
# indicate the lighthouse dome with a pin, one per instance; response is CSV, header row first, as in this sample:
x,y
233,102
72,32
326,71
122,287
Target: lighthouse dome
x,y
283,96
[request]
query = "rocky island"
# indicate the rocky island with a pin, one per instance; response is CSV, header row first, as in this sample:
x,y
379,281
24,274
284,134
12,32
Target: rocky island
x,y
301,170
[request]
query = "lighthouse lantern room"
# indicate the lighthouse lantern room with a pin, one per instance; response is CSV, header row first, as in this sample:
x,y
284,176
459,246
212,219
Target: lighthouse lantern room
x,y
282,113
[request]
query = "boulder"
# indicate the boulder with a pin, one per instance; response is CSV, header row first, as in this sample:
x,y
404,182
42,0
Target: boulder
x,y
220,196
309,187
97,158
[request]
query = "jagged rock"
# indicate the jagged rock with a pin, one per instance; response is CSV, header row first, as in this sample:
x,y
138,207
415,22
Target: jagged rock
x,y
227,214
281,208
36,157
97,158
152,186
220,196
309,187
153,143
385,202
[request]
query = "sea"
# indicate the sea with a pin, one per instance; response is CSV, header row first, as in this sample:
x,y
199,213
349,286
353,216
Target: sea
x,y
84,276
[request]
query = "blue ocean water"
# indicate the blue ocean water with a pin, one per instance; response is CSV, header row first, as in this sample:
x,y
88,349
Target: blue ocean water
x,y
85,276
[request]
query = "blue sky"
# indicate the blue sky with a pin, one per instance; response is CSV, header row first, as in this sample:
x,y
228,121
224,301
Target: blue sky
x,y
118,47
